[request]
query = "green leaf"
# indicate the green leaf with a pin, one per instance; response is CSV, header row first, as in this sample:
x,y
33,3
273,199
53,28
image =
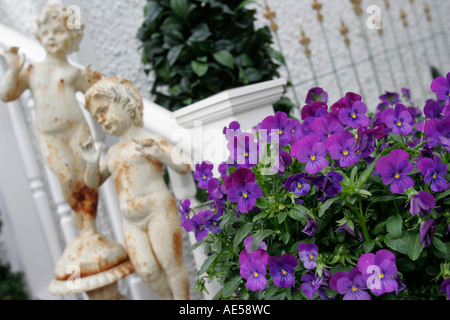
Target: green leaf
x,y
200,33
326,205
224,58
259,237
242,233
180,7
438,244
174,53
394,226
243,4
231,286
298,213
207,263
282,216
398,245
415,248
199,68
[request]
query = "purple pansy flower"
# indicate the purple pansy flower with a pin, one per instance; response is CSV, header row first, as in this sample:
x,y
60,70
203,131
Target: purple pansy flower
x,y
243,190
253,268
199,226
345,227
298,130
434,172
325,127
284,160
308,253
298,184
234,129
445,287
316,94
282,270
438,132
213,223
427,229
311,151
281,124
433,109
342,148
185,208
248,245
345,102
441,86
217,190
313,110
328,186
243,150
390,97
355,115
394,169
398,119
379,271
202,174
311,227
422,203
351,284
310,284
367,139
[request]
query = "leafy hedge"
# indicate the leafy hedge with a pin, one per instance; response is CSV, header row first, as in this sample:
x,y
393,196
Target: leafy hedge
x,y
197,48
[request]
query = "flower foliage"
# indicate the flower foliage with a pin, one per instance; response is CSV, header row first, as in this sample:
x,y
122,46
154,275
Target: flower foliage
x,y
342,204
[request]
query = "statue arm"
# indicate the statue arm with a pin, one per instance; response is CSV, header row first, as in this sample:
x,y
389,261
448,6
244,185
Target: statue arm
x,y
15,80
95,174
162,150
88,78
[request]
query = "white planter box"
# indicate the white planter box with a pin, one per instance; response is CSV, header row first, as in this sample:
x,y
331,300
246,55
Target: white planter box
x,y
204,121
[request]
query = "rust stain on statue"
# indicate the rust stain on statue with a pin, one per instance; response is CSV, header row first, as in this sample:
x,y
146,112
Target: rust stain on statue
x,y
86,199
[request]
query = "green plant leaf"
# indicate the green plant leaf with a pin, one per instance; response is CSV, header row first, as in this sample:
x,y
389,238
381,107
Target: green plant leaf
x,y
200,68
224,58
174,53
394,226
415,248
242,233
326,205
207,263
259,237
231,286
438,244
180,7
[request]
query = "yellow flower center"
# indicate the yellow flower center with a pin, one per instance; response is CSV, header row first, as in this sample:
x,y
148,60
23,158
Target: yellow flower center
x,y
313,283
345,153
283,272
204,177
311,256
397,176
313,158
381,275
354,289
293,130
399,124
354,116
329,135
246,154
256,274
434,176
280,132
245,195
299,185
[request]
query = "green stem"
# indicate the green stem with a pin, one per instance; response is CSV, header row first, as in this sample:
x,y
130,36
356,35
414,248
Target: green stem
x,y
362,222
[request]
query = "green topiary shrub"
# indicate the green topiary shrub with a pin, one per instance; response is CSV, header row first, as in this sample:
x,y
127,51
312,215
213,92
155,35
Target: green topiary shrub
x,y
197,48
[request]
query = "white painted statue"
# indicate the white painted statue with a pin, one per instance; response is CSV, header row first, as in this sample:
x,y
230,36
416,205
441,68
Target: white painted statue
x,y
60,123
61,129
152,232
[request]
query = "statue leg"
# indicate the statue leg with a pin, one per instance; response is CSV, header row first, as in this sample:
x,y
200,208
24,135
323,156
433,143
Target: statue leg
x,y
143,259
166,239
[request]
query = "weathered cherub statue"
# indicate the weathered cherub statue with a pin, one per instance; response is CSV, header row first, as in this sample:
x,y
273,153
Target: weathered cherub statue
x,y
60,124
151,225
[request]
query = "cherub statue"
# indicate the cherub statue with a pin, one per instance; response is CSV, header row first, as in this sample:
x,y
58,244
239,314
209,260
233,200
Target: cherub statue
x,y
60,124
151,225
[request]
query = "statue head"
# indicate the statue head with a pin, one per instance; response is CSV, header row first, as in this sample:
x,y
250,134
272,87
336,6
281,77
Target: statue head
x,y
115,92
57,31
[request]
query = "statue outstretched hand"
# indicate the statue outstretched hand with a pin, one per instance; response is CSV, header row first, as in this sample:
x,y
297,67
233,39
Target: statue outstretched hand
x,y
90,154
13,60
148,147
